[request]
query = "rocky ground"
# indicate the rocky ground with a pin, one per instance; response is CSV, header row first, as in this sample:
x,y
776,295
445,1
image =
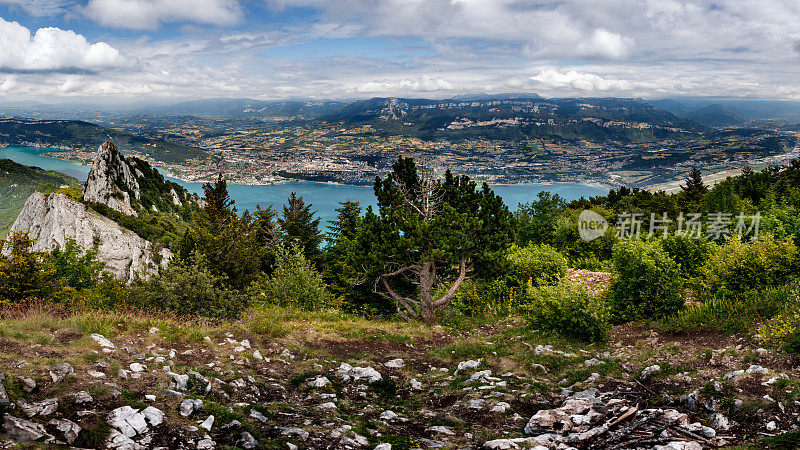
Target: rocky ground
x,y
326,383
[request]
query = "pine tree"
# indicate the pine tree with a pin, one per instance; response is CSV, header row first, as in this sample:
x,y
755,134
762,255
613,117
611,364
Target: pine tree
x,y
298,223
346,223
226,242
694,190
428,237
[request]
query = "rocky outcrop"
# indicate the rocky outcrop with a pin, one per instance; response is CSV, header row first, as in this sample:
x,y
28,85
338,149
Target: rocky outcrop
x,y
51,220
112,180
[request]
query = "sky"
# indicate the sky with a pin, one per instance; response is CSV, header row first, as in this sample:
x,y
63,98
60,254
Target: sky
x,y
165,50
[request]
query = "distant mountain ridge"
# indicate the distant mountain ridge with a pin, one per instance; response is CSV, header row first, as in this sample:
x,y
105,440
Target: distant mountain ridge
x,y
76,134
18,182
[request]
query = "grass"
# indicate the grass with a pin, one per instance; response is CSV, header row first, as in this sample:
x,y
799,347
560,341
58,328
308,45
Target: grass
x,y
735,314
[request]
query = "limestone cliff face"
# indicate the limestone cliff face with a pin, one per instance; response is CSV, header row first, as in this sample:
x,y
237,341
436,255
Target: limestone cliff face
x,y
50,220
112,180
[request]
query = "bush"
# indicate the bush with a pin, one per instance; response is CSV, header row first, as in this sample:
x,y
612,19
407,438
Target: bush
x,y
25,274
646,282
187,289
690,254
540,264
294,281
737,267
736,314
78,267
569,309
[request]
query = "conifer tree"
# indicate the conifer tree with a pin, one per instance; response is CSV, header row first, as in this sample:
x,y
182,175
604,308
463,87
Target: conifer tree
x,y
299,224
428,237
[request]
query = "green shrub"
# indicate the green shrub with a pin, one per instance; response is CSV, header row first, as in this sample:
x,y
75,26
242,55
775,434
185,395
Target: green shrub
x,y
294,281
569,309
25,274
187,289
646,282
78,267
737,267
690,254
539,264
735,314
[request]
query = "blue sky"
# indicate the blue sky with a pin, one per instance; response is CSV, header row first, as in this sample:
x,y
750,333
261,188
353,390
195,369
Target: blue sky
x,y
165,50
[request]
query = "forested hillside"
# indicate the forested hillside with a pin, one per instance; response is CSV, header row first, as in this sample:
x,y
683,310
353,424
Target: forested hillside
x,y
18,182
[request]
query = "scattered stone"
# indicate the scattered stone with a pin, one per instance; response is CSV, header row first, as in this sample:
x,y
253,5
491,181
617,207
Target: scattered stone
x,y
680,445
257,355
23,431
383,446
648,371
171,393
246,441
188,406
150,397
258,416
348,372
60,371
294,432
179,381
757,369
137,367
208,423
154,416
592,362
42,408
318,382
206,444
772,426
28,385
327,405
500,407
720,423
470,364
441,429
4,399
388,415
103,342
395,363
416,385
154,330
68,429
732,375
95,374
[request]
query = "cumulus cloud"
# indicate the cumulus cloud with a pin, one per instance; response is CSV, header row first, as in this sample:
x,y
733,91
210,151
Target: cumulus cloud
x,y
583,82
605,44
149,14
419,84
52,49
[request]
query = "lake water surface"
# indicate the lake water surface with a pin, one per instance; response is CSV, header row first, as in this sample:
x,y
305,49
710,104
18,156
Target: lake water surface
x,y
324,197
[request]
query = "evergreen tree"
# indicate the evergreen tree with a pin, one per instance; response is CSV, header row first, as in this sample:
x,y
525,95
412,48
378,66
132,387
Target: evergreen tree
x,y
428,237
694,190
226,241
299,224
348,215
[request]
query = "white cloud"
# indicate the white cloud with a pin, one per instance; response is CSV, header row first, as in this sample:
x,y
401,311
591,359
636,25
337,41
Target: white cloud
x,y
52,49
419,84
149,14
8,83
606,45
577,81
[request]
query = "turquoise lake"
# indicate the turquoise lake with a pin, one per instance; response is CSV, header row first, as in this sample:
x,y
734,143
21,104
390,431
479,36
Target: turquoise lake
x,y
324,197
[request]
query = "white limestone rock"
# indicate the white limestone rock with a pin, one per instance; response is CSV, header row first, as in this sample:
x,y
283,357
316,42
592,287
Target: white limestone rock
x,y
110,173
52,219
